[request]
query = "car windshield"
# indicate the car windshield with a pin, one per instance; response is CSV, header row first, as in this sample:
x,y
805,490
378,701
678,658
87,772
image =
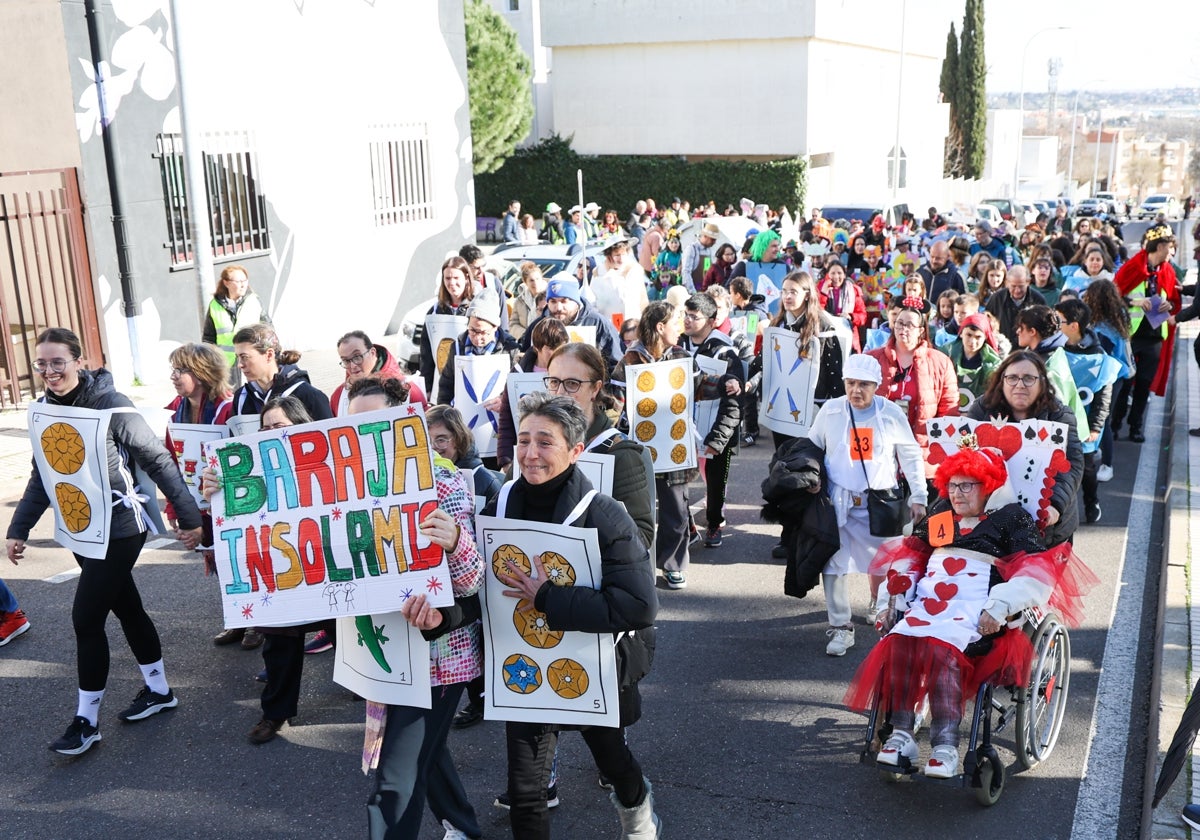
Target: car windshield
x,y
862,214
1156,199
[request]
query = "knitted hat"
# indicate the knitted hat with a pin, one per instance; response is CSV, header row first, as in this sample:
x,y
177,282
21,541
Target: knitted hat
x,y
486,307
563,289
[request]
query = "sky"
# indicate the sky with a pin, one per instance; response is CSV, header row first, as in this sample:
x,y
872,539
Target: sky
x,y
1109,45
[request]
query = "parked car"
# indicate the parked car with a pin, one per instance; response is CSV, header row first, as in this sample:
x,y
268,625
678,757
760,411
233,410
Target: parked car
x,y
1157,203
1013,210
1095,208
989,213
408,351
1113,205
863,212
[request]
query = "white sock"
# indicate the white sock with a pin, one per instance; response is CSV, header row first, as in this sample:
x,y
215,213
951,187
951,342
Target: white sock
x,y
155,675
89,705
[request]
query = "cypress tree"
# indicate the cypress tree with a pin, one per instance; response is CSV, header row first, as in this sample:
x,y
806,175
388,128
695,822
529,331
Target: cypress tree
x,y
948,85
499,77
972,95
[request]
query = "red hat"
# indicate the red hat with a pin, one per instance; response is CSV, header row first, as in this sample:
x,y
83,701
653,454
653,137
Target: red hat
x,y
981,322
985,465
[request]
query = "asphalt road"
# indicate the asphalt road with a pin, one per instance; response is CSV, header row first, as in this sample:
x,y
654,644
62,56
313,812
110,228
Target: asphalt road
x,y
744,734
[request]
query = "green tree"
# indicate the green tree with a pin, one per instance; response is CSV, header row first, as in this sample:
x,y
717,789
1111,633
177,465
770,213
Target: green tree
x,y
971,96
948,85
499,77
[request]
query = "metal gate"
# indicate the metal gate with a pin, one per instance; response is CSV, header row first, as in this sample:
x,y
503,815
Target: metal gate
x,y
45,275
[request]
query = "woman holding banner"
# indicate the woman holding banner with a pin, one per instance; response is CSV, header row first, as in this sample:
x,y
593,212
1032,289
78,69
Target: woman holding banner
x,y
409,744
106,583
552,490
455,292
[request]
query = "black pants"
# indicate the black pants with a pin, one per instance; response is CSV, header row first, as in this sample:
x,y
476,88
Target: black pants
x,y
674,519
106,586
284,658
1145,355
716,480
1090,484
531,749
750,412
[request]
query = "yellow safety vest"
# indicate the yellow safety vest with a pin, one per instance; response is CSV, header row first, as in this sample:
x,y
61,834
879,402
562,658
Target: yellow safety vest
x,y
1136,313
250,312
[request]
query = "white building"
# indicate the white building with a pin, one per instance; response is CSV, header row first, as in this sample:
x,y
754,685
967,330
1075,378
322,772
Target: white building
x,y
753,79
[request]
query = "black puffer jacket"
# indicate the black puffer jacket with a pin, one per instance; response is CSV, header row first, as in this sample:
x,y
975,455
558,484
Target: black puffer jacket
x,y
130,440
626,600
291,380
719,346
810,530
633,474
1064,497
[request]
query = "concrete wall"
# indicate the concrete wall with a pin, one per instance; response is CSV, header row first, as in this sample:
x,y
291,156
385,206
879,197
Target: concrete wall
x,y
308,81
36,131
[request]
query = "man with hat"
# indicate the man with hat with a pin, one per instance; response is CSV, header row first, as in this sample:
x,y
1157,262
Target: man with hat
x,y
482,337
591,219
573,229
565,303
697,255
552,225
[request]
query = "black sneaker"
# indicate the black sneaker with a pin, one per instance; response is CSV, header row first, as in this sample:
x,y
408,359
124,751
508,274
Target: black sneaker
x,y
504,803
78,738
779,552
1091,513
712,537
749,440
148,703
1137,437
468,716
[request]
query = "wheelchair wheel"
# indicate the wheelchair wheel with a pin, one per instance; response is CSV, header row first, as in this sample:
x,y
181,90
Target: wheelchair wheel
x,y
991,777
1040,716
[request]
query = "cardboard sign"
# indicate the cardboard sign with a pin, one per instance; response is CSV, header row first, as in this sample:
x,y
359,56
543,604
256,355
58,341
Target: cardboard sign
x,y
534,673
442,331
384,659
862,444
187,441
658,402
577,334
518,384
321,520
789,383
478,379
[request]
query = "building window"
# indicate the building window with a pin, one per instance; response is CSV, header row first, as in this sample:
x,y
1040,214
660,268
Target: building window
x,y
892,167
401,178
514,5
236,206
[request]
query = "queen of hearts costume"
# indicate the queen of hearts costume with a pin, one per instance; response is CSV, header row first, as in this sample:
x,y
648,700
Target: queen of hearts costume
x,y
940,583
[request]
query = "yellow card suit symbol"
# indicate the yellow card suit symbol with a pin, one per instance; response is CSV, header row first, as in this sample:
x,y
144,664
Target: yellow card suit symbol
x,y
678,453
73,505
558,571
64,448
510,552
567,678
678,404
644,431
678,430
645,382
443,352
646,407
677,377
533,626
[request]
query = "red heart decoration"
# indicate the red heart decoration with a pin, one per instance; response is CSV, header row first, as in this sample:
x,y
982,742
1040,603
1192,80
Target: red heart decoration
x,y
934,607
1047,494
1005,438
954,565
946,591
916,622
1059,462
936,454
899,584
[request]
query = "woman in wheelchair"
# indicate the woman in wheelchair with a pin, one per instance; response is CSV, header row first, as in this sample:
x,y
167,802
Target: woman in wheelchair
x,y
945,603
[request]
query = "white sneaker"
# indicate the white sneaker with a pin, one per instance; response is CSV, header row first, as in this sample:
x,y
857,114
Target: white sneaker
x,y
943,762
1104,473
900,746
453,833
841,639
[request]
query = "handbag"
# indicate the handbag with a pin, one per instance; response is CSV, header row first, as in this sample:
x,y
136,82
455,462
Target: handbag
x,y
887,510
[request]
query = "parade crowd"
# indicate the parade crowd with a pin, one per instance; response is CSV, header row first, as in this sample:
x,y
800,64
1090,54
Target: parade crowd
x,y
897,324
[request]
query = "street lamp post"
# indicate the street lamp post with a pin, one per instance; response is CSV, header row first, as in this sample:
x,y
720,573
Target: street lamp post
x,y
1021,106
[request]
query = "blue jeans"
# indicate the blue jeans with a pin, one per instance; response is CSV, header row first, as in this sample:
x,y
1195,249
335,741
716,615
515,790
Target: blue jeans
x,y
414,763
8,601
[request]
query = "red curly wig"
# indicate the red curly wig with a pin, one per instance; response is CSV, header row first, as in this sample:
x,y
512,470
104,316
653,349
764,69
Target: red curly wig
x,y
986,465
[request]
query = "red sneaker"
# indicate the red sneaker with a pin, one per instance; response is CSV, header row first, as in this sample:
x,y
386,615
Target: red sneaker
x,y
12,624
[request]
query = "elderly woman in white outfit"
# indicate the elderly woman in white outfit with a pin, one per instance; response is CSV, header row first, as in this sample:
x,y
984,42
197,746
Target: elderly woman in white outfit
x,y
864,438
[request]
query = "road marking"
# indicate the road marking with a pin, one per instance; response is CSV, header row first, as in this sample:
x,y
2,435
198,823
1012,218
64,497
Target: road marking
x,y
63,577
1098,808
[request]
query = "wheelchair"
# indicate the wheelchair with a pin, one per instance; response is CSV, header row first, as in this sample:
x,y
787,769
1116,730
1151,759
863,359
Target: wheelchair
x,y
1036,709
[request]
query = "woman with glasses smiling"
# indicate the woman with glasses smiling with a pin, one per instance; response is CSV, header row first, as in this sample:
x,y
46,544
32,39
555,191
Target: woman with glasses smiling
x,y
360,357
1020,390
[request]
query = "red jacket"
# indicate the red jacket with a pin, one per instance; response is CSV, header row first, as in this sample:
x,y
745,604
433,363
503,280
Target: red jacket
x,y
211,413
937,388
389,369
1131,275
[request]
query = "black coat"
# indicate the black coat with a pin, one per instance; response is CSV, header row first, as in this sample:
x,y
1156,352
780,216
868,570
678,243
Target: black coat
x,y
719,346
810,529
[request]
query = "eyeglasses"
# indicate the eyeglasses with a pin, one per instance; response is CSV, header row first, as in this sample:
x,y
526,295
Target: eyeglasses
x,y
178,372
54,365
1028,380
694,316
905,326
354,361
442,441
570,386
962,487
274,426
481,333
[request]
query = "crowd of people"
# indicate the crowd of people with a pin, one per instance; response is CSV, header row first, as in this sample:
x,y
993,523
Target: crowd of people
x,y
900,325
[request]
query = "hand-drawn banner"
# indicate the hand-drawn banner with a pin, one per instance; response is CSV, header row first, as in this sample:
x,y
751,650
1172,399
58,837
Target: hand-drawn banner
x,y
243,424
384,659
321,520
442,330
534,673
659,406
477,381
789,383
72,460
188,440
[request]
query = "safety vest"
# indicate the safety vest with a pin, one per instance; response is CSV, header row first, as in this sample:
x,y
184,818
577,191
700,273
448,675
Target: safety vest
x,y
250,312
1136,313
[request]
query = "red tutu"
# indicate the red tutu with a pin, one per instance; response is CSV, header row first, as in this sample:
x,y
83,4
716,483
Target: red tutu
x,y
1059,567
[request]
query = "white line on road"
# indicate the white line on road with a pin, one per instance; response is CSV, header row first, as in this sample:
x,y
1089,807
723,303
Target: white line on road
x,y
1098,808
71,574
